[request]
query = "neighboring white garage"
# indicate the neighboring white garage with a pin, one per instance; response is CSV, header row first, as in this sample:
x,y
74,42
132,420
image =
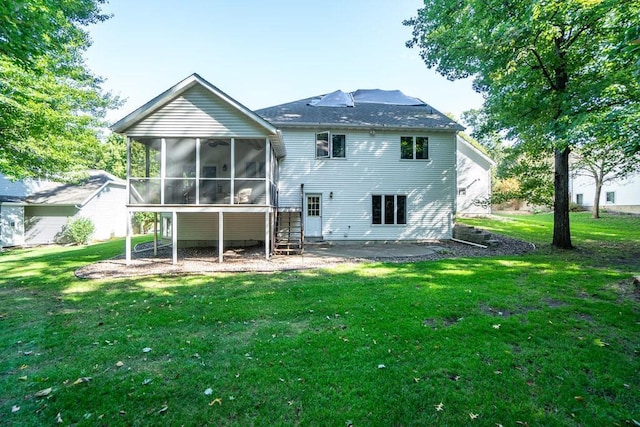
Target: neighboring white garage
x,y
39,217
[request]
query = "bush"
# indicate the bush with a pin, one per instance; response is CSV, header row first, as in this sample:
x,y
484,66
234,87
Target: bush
x,y
78,230
574,207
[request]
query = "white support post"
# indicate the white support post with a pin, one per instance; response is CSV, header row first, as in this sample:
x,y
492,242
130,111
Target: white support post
x,y
220,236
197,171
267,178
232,169
127,245
267,234
163,168
174,232
155,234
128,170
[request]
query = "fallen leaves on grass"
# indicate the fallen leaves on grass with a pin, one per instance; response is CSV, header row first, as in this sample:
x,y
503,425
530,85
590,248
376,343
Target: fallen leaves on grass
x,y
600,343
82,380
216,400
15,408
439,407
44,392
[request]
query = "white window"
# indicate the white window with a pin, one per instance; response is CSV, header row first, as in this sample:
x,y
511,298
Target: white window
x,y
579,199
611,197
330,145
414,147
389,209
462,191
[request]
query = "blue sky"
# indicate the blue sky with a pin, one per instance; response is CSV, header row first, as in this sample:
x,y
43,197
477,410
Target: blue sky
x,y
264,53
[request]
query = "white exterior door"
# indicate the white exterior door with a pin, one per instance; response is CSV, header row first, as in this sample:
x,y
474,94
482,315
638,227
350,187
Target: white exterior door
x,y
313,215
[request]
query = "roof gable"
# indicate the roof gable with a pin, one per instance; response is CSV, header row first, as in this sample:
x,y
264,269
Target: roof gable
x,y
122,125
466,148
65,193
187,99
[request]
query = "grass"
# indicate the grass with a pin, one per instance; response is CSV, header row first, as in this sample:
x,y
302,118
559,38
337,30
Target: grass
x,y
550,338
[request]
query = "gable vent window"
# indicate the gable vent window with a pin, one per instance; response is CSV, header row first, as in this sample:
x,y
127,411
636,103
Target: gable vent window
x,y
330,146
389,209
414,147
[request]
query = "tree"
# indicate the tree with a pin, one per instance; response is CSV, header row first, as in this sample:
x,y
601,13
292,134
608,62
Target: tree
x,y
600,156
34,29
532,176
519,175
51,105
113,156
543,67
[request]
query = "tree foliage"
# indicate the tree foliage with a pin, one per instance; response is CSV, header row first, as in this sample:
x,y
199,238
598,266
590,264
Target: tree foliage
x,y
112,156
34,29
51,105
544,67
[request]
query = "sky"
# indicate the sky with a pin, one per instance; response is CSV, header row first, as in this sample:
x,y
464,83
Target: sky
x,y
265,53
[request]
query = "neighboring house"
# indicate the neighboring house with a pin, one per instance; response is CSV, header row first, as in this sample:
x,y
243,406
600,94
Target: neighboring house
x,y
619,195
34,212
474,179
364,166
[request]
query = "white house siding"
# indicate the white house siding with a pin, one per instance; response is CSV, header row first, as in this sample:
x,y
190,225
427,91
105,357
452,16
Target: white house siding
x,y
43,224
474,177
197,113
626,193
372,167
11,225
107,210
201,229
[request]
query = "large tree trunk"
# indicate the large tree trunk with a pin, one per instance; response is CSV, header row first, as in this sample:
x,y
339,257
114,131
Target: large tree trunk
x,y
561,230
596,200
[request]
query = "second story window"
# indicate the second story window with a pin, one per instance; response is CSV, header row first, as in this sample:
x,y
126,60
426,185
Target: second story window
x,y
330,145
414,147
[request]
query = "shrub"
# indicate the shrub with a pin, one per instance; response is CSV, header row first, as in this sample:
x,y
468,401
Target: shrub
x,y
78,230
574,207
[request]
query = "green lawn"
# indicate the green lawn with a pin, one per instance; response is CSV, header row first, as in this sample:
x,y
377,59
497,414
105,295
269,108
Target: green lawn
x,y
550,338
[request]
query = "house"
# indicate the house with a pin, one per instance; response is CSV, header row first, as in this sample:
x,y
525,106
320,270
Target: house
x,y
621,195
369,165
474,179
34,212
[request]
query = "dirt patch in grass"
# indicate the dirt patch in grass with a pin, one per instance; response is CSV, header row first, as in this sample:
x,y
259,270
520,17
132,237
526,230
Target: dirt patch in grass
x,y
553,302
205,260
504,312
627,289
445,322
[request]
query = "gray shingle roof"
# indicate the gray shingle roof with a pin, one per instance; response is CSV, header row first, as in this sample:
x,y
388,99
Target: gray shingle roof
x,y
61,193
362,115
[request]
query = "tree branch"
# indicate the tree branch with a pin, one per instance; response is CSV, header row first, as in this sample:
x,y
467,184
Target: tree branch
x,y
545,72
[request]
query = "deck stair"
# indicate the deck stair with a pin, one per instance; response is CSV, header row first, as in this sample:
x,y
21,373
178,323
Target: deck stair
x,y
474,235
289,234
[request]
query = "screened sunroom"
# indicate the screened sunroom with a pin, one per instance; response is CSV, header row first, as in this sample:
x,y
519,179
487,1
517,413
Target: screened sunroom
x,y
202,171
205,166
